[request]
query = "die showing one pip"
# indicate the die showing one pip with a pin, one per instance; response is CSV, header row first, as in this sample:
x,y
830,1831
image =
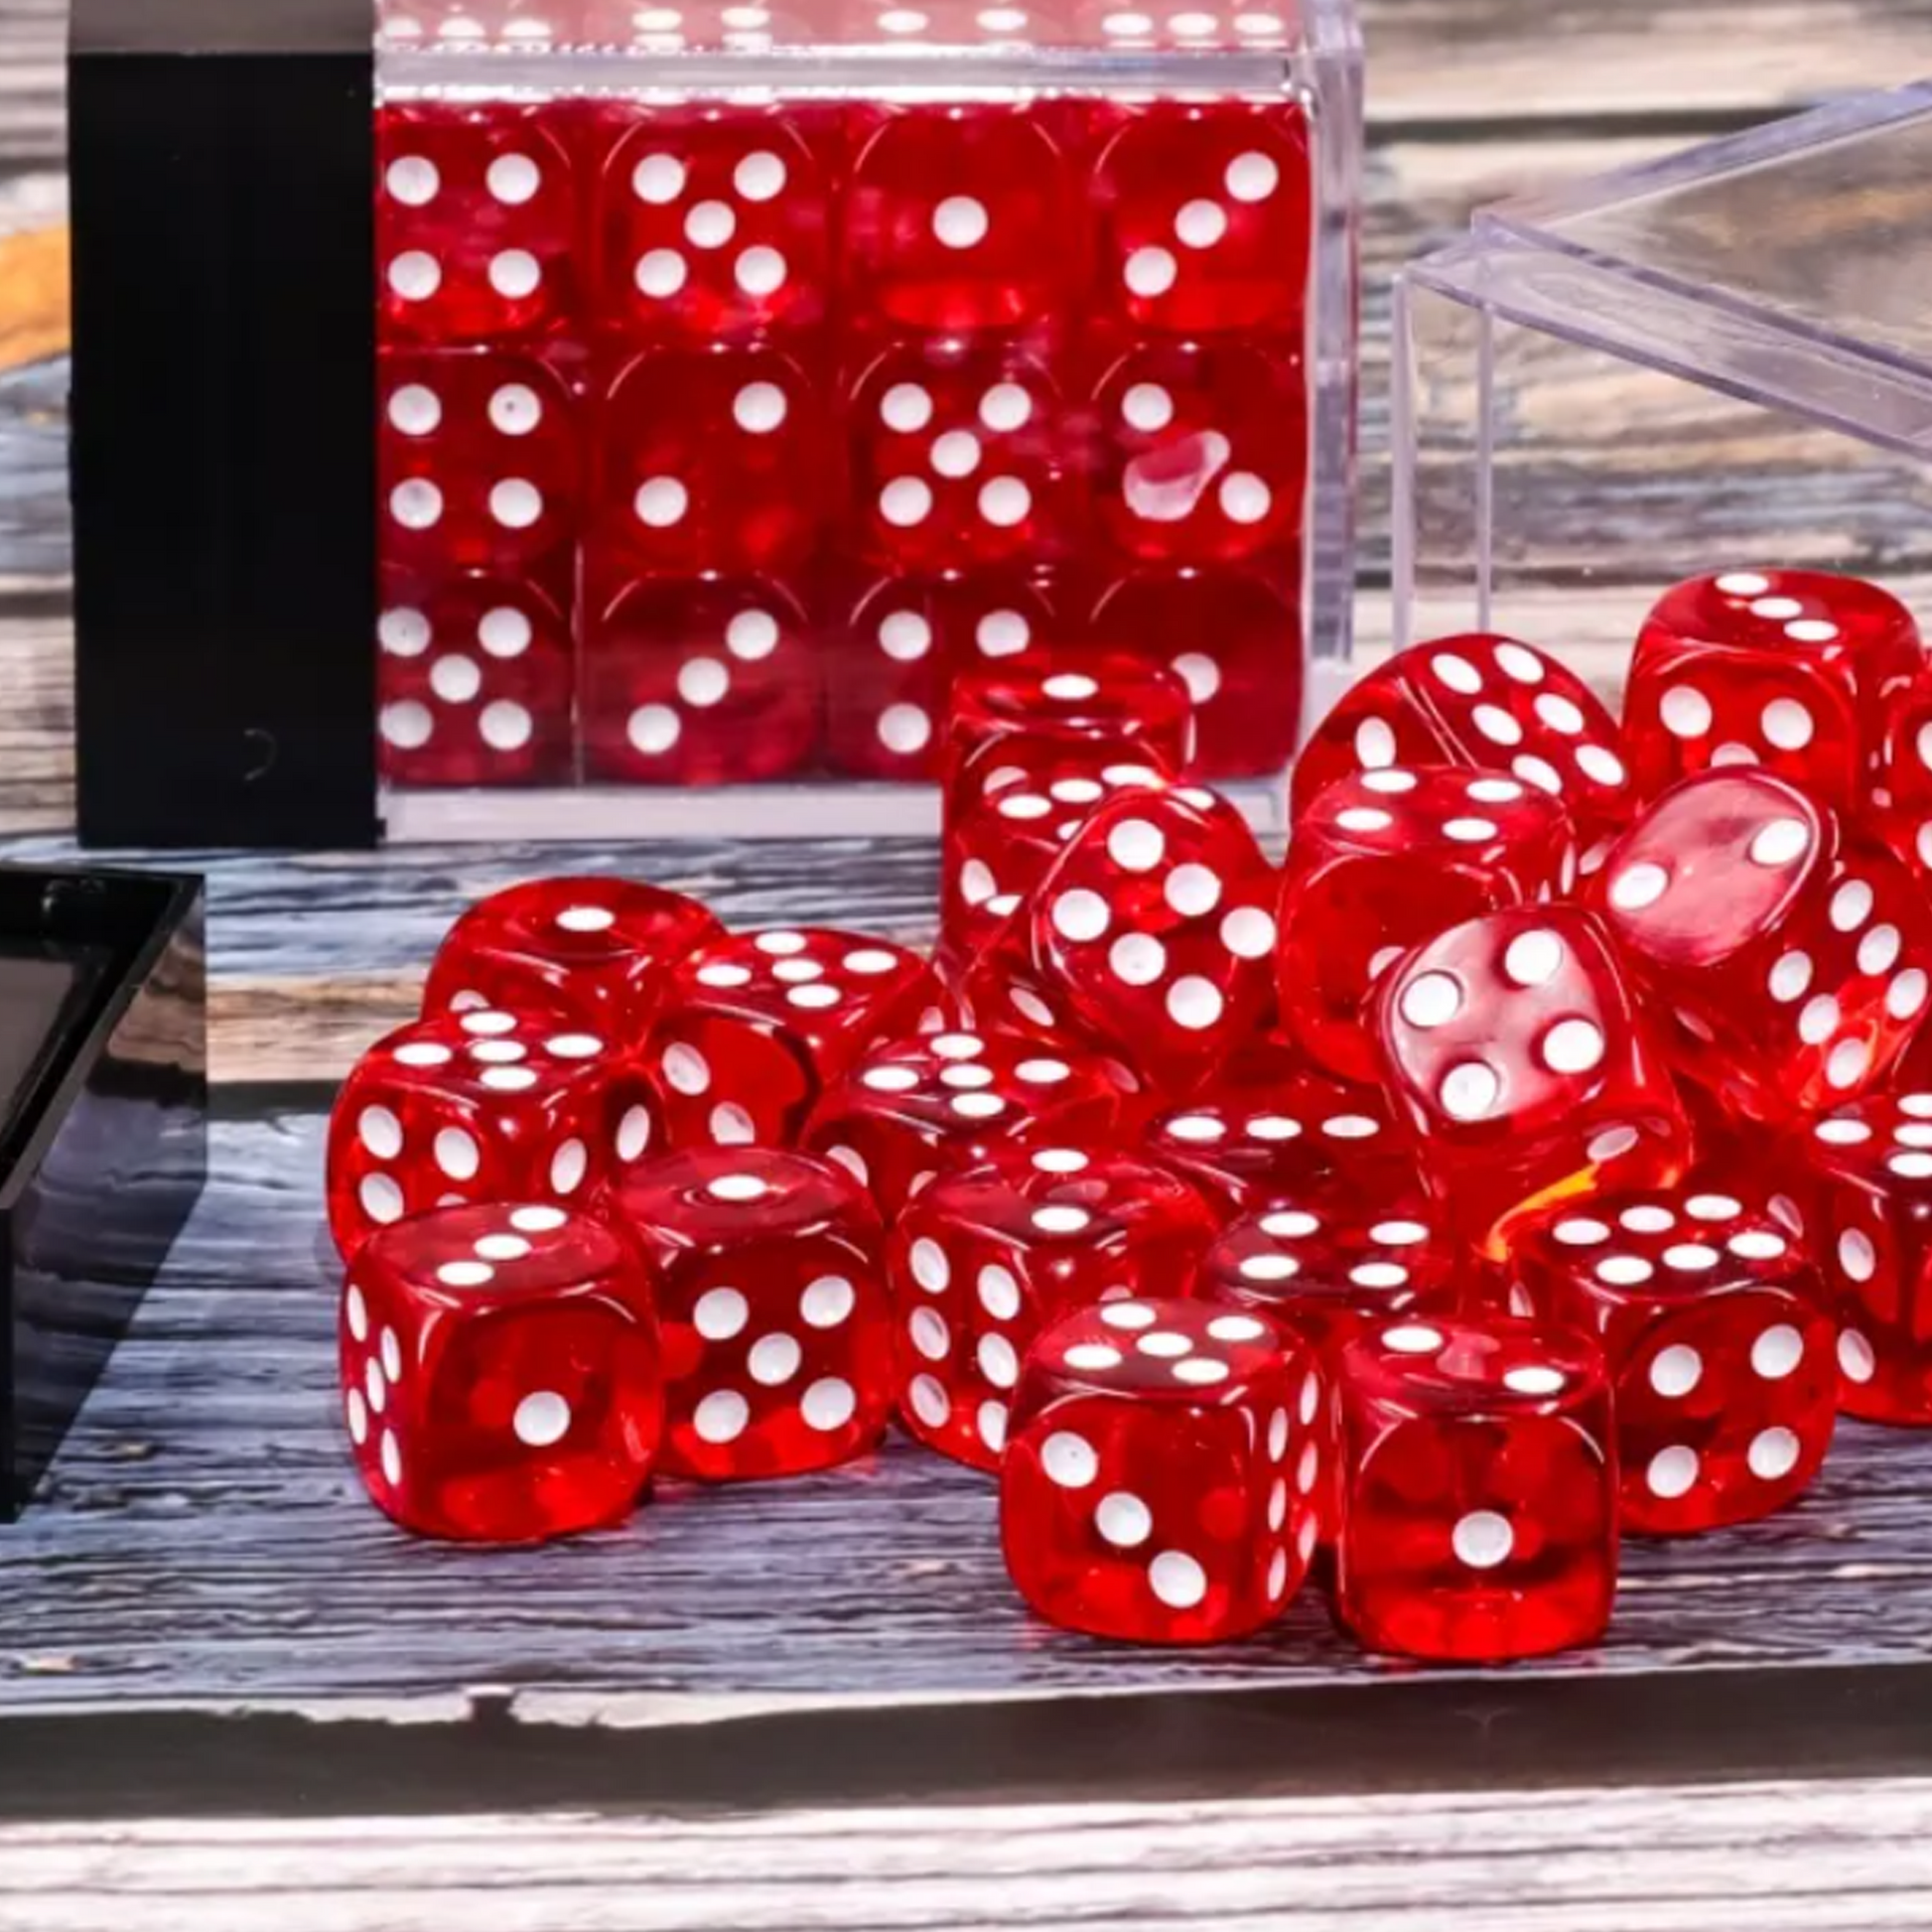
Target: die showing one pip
x,y
1152,1486
986,1257
501,1372
771,1302
1480,1514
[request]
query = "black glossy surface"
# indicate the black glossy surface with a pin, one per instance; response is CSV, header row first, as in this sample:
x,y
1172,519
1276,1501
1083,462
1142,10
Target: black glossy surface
x,y
103,1129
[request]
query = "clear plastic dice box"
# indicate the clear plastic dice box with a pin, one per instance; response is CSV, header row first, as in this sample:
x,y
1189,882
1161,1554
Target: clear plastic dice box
x,y
1718,358
623,418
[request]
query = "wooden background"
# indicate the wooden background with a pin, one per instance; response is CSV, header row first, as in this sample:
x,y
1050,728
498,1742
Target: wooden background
x,y
201,1618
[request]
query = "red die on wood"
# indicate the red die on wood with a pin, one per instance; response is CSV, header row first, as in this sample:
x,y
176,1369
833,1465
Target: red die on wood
x,y
480,1106
477,458
1480,701
1157,922
475,679
755,1026
698,464
501,1372
713,222
1900,805
1792,961
475,217
1527,1072
1205,223
1792,669
700,681
960,219
1868,1175
912,1109
777,1344
597,952
1713,1322
1203,457
957,458
1384,860
1235,638
984,1258
1479,1519
1146,1491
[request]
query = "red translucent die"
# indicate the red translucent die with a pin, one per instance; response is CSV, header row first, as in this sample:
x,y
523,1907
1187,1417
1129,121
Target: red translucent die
x,y
754,1027
1123,708
1898,807
474,676
475,219
1485,701
1714,1323
501,1379
1526,1070
1150,1489
914,1108
486,1105
1869,1169
999,989
1480,1514
1156,924
1205,221
776,1340
957,458
1789,961
596,951
1383,860
960,217
699,464
1245,1148
985,1257
1795,670
1235,639
698,681
1006,817
896,659
1203,453
713,222
476,459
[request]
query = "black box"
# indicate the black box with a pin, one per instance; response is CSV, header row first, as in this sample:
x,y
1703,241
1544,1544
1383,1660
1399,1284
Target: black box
x,y
103,1129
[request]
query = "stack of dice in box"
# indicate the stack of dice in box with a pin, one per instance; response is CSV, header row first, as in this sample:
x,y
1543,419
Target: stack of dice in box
x,y
1542,1153
716,436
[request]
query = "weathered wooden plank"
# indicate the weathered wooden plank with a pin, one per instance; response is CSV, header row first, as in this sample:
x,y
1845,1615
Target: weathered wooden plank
x,y
1850,1858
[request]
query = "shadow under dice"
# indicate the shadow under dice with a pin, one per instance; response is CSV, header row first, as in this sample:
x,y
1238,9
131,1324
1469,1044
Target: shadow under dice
x,y
1382,860
699,680
1869,1167
476,454
709,459
1792,958
475,675
1204,219
1203,453
1527,1073
960,217
474,215
1479,1517
1713,1319
1791,669
982,1259
501,1372
460,1109
957,458
597,952
1235,640
1146,1491
755,1027
712,222
777,1344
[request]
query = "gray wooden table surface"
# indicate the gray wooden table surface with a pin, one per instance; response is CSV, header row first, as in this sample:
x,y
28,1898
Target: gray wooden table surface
x,y
228,1691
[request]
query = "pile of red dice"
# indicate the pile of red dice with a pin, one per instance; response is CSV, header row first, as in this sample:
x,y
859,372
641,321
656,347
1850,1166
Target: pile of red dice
x,y
1539,1154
